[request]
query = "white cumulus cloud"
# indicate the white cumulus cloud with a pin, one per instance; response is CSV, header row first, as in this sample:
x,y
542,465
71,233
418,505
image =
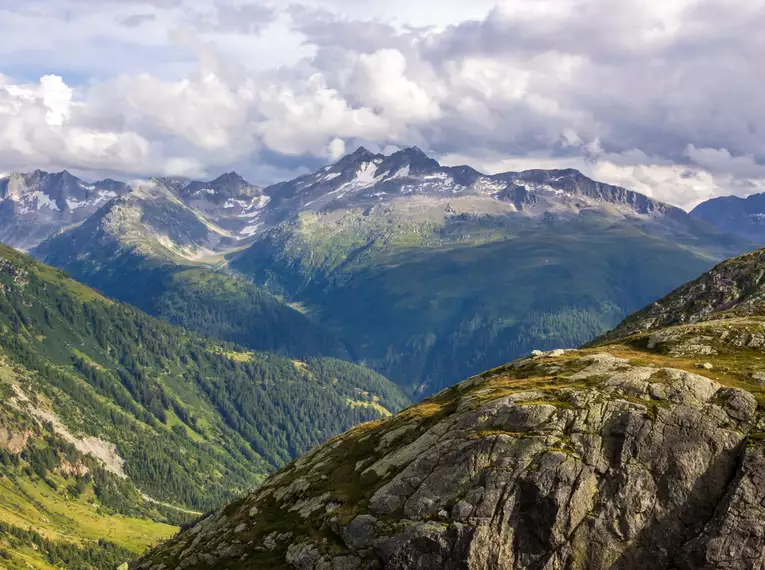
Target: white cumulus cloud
x,y
661,97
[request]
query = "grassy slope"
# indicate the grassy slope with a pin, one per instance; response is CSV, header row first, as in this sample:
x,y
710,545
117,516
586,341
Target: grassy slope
x,y
427,306
27,503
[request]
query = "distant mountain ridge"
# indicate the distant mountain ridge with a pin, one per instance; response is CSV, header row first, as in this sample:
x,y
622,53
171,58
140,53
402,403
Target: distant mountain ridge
x,y
366,178
744,217
37,204
395,260
33,206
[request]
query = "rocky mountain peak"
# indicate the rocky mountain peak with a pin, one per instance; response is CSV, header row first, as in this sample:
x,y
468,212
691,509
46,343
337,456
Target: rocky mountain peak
x,y
571,183
413,158
359,156
407,161
226,186
63,185
59,187
233,185
360,153
229,178
41,176
38,203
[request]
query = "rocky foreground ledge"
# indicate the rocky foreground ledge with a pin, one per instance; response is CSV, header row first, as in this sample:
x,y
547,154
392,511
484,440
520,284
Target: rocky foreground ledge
x,y
617,457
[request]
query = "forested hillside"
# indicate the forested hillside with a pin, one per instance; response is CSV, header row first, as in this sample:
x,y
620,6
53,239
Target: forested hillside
x,y
104,406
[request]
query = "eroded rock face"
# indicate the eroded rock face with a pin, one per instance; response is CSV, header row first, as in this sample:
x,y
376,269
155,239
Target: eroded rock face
x,y
735,537
566,461
13,440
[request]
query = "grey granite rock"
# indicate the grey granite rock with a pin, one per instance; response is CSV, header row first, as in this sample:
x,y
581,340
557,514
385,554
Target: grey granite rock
x,y
603,464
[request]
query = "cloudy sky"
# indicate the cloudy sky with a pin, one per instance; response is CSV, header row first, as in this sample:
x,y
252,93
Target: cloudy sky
x,y
661,96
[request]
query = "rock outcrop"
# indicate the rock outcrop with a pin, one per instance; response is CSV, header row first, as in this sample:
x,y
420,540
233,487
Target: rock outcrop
x,y
581,460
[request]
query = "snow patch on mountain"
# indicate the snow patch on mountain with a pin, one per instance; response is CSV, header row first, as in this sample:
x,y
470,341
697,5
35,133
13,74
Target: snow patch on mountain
x,y
366,177
257,203
251,230
37,201
73,204
402,173
102,197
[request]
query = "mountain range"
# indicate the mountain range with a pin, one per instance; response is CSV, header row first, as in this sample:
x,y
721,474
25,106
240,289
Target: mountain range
x,y
433,272
423,272
231,330
145,248
644,450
